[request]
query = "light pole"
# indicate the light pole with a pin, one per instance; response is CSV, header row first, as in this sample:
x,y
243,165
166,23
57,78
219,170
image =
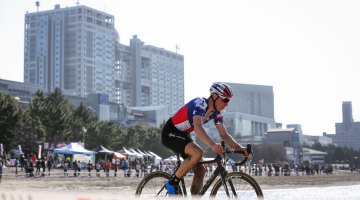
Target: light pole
x,y
356,164
84,132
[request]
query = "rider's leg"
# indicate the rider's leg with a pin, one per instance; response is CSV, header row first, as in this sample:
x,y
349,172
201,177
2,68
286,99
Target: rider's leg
x,y
197,183
194,152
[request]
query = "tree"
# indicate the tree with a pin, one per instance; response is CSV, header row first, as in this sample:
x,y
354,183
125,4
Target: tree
x,y
30,130
104,133
9,119
153,143
54,113
82,120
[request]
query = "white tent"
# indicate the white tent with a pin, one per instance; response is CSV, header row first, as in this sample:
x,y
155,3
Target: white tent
x,y
172,159
157,158
104,150
136,153
144,154
127,152
73,148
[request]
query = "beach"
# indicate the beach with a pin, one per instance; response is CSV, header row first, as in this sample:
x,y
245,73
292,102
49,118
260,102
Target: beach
x,y
56,186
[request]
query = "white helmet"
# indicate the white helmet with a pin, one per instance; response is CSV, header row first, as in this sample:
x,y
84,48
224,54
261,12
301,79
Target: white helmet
x,y
222,89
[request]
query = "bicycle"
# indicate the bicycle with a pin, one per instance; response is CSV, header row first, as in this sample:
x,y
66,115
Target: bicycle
x,y
233,185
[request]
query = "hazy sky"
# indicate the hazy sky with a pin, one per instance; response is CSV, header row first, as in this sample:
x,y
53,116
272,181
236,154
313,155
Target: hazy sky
x,y
308,50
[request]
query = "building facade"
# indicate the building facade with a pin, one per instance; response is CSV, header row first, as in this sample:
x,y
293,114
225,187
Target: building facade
x,y
249,114
347,133
71,48
150,76
77,49
250,99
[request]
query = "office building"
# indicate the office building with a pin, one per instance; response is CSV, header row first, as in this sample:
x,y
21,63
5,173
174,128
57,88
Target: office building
x,y
150,76
255,100
249,114
77,49
71,48
347,133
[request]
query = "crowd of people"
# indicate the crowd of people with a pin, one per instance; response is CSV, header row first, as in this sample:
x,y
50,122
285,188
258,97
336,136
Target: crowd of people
x,y
31,166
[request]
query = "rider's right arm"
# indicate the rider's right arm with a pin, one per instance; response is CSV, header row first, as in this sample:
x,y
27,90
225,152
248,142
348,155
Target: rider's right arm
x,y
200,132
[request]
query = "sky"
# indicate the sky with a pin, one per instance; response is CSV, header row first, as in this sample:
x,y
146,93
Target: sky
x,y
307,50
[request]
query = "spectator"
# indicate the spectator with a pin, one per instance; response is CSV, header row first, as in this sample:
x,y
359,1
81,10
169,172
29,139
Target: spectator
x,y
49,164
125,166
33,159
66,165
22,162
98,168
78,167
16,165
43,166
75,167
89,167
116,165
1,168
107,167
30,168
38,167
137,167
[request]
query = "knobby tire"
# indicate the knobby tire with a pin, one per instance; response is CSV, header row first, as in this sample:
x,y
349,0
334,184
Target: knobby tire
x,y
245,186
151,184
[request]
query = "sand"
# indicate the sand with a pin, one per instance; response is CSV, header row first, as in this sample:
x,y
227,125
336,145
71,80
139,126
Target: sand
x,y
84,187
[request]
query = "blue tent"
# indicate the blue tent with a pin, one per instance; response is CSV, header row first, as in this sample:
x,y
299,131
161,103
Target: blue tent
x,y
73,148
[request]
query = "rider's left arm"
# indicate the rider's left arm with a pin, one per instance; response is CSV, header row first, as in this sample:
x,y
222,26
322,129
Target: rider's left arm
x,y
229,140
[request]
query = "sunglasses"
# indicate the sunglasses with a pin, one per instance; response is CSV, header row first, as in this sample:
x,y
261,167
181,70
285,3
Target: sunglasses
x,y
224,99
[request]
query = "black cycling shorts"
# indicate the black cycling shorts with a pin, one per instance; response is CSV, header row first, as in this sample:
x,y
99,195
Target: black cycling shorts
x,y
174,139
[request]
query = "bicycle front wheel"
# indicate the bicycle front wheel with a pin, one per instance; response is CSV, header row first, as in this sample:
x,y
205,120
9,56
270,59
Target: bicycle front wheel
x,y
152,185
240,186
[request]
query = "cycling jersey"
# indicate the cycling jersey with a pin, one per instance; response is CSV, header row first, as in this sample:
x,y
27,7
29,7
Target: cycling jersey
x,y
183,118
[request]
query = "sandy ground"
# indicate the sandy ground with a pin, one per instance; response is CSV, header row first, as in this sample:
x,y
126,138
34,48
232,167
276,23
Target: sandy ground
x,y
84,187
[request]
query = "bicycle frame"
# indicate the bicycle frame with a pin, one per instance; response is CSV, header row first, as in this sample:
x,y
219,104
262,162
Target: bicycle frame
x,y
220,170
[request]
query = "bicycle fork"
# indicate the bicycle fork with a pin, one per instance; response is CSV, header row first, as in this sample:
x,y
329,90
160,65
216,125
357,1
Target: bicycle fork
x,y
223,180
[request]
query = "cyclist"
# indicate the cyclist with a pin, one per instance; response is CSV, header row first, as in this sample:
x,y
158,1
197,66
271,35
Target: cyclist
x,y
191,117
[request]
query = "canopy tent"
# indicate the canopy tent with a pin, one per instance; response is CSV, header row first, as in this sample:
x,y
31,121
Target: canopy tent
x,y
157,159
131,154
102,149
137,154
172,159
144,154
127,152
73,148
119,155
156,156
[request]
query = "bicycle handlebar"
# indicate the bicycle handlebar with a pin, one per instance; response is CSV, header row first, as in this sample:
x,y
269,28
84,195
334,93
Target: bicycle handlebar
x,y
248,149
228,151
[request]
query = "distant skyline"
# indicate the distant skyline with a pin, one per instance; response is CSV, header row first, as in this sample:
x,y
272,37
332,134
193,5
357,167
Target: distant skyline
x,y
307,50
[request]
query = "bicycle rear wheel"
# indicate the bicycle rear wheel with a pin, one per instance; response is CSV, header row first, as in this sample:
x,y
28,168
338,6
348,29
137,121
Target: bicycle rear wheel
x,y
152,184
244,185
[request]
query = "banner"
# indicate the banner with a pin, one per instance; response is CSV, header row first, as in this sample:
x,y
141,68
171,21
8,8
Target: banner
x,y
20,149
39,155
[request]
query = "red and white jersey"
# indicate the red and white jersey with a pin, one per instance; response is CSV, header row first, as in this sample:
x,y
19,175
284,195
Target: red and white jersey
x,y
183,118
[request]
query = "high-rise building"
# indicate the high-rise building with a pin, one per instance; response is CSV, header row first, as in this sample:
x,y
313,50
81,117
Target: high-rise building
x,y
255,100
347,115
150,76
249,114
71,48
348,132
